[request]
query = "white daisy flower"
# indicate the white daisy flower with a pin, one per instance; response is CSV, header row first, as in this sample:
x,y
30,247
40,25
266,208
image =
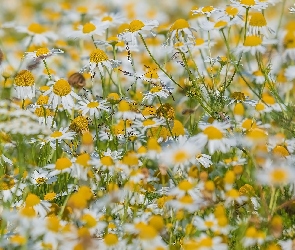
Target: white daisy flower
x,y
214,135
93,108
143,125
38,33
157,91
61,134
42,53
253,44
88,30
61,92
135,27
110,19
249,4
99,59
24,84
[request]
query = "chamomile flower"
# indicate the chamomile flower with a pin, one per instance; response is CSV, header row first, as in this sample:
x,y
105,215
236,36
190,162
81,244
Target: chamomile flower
x,y
93,108
258,25
253,236
24,84
81,167
275,174
110,19
42,53
179,155
252,44
250,4
214,136
62,165
180,31
157,91
39,33
207,10
61,93
145,124
59,135
41,207
134,28
40,176
99,59
88,30
10,187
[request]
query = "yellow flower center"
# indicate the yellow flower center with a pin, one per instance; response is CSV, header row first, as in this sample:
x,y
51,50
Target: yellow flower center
x,y
56,134
83,159
213,133
42,100
6,182
136,25
179,24
268,99
44,88
280,151
279,176
53,223
92,105
233,193
49,196
248,2
180,156
24,79
36,28
147,233
252,41
289,40
28,212
107,161
152,144
156,89
220,24
148,122
186,199
98,56
206,242
130,159
42,52
89,220
62,88
32,200
107,18
123,106
207,9
185,185
88,27
111,239
18,239
231,11
79,124
42,112
199,41
63,163
259,106
40,180
257,19
239,109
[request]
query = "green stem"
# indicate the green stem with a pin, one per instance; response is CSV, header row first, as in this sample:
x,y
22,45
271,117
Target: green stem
x,y
155,61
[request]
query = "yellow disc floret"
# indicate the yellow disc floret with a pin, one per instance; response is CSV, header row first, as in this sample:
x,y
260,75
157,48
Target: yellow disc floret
x,y
24,79
98,56
62,88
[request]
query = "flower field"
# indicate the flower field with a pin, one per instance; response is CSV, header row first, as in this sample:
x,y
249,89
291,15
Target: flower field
x,y
153,125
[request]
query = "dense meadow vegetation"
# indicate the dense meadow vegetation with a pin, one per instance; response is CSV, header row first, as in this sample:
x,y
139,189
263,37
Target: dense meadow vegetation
x,y
147,125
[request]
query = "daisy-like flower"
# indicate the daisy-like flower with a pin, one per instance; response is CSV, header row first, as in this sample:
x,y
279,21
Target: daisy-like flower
x,y
249,4
180,31
62,165
180,154
157,91
99,59
110,19
24,84
253,236
207,10
148,123
10,187
258,25
81,167
134,27
39,33
42,53
214,135
61,92
275,174
59,135
41,207
233,195
93,108
88,30
252,44
40,176
205,242
289,44
125,112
